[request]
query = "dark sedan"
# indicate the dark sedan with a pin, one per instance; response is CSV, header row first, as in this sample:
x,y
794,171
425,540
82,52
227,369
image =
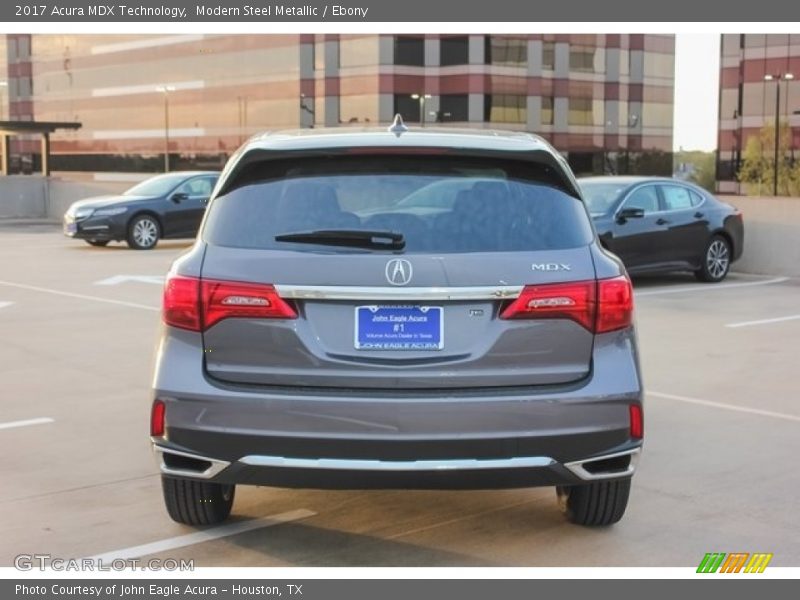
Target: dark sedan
x,y
166,206
658,224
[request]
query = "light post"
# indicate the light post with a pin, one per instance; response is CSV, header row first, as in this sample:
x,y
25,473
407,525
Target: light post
x,y
166,89
777,79
421,98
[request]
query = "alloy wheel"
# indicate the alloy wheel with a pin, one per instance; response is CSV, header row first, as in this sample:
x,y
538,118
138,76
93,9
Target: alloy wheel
x,y
717,259
145,232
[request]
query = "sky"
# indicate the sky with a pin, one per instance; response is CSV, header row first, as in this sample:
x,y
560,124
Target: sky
x,y
696,91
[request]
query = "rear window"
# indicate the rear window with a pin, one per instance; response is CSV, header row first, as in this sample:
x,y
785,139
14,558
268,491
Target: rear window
x,y
440,204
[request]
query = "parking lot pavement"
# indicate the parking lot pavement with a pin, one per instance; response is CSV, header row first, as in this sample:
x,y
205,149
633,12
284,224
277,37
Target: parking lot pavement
x,y
78,326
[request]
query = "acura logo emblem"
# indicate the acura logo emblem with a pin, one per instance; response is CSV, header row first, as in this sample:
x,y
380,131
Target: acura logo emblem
x,y
398,271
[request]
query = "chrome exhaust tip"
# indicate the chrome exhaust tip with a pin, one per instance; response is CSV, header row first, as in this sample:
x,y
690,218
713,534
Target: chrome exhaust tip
x,y
608,466
184,464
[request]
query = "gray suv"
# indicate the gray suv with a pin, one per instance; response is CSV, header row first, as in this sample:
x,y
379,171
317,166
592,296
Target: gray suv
x,y
397,309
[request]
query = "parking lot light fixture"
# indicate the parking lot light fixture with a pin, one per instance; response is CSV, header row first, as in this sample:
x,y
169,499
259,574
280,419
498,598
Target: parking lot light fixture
x,y
777,78
421,98
166,89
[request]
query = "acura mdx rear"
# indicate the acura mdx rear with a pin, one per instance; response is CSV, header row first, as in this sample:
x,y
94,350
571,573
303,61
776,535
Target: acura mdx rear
x,y
397,309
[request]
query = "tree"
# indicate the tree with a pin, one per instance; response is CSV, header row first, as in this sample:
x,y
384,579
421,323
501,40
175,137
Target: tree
x,y
697,166
758,163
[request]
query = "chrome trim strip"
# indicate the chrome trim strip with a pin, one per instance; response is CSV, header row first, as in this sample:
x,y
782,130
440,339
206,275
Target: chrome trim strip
x,y
578,469
216,467
335,292
353,464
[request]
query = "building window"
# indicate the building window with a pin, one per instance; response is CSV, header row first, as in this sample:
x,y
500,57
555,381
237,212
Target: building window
x,y
505,108
407,107
409,50
506,52
453,107
548,56
547,110
454,50
586,59
585,111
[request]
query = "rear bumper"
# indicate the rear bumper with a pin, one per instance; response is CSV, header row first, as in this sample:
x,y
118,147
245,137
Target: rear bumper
x,y
326,473
520,437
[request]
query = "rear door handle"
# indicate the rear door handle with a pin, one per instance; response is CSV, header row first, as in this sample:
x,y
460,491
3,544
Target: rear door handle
x,y
699,215
661,221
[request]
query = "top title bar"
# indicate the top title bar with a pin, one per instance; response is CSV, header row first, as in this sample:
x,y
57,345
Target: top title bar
x,y
375,11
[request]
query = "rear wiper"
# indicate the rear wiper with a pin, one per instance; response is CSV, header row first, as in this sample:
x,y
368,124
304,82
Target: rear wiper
x,y
353,238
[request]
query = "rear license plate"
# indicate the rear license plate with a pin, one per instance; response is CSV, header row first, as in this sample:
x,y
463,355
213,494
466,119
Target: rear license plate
x,y
399,328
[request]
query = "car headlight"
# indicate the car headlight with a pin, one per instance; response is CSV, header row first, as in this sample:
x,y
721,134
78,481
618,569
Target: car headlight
x,y
82,213
110,212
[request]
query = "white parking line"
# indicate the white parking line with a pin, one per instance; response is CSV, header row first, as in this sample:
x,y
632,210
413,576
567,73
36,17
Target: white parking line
x,y
26,423
34,288
198,537
763,321
722,405
706,287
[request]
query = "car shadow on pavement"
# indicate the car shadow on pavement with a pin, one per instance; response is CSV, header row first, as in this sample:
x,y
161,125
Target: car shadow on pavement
x,y
302,544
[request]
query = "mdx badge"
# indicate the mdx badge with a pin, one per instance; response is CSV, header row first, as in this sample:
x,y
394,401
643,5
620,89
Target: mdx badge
x,y
550,267
398,271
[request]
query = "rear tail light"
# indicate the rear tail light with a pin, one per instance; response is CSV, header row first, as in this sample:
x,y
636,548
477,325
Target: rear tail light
x,y
197,304
615,304
157,418
600,307
574,301
637,421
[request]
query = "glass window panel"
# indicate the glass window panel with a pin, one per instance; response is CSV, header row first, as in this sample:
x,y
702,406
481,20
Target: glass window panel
x,y
454,50
506,108
506,52
586,59
547,110
454,107
548,56
409,50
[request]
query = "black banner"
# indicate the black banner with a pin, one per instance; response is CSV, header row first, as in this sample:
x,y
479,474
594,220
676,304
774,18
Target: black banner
x,y
733,588
374,11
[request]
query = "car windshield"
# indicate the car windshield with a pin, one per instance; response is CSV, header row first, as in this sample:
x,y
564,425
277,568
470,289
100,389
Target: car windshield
x,y
601,197
483,205
155,186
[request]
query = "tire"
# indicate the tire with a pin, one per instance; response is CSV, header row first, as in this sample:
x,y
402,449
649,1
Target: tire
x,y
194,502
716,260
98,243
143,232
595,504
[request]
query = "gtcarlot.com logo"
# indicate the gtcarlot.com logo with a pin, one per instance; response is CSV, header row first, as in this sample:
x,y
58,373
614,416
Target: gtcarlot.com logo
x,y
736,562
29,562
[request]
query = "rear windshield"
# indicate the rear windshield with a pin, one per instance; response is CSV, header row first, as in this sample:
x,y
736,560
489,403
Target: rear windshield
x,y
439,204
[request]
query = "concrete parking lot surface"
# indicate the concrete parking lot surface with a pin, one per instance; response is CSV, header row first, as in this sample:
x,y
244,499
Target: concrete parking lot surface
x,y
78,326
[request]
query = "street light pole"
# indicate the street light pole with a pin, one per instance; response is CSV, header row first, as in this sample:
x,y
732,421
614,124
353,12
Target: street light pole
x,y
777,79
166,89
421,98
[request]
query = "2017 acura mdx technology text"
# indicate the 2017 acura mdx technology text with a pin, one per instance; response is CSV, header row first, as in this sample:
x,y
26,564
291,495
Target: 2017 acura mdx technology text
x,y
327,332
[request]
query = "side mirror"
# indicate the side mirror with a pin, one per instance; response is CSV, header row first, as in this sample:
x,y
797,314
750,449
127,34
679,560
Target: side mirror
x,y
629,213
179,197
